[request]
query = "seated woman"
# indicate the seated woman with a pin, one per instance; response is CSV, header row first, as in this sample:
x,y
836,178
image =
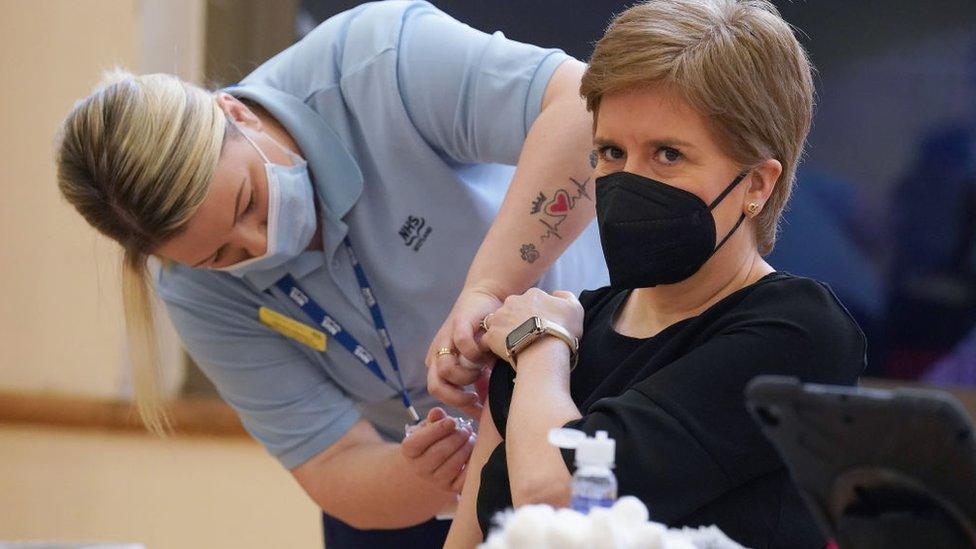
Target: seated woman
x,y
701,109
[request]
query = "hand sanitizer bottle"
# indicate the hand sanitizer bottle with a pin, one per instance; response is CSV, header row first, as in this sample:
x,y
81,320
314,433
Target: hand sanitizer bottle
x,y
594,484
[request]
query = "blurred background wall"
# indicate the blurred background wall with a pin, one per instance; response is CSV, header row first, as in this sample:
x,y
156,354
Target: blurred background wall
x,y
61,329
61,320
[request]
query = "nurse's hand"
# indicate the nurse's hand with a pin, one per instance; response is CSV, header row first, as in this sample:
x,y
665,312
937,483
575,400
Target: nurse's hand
x,y
449,374
438,451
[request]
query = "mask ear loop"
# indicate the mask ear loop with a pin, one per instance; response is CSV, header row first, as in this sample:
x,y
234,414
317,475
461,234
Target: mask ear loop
x,y
742,217
240,130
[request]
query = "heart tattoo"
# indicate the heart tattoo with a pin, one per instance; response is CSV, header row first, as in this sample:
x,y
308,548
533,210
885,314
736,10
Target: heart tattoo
x,y
560,204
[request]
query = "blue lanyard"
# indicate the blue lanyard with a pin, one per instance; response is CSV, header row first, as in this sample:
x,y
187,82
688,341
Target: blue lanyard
x,y
318,315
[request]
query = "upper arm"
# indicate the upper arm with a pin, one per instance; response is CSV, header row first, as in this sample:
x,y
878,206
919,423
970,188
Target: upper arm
x,y
472,95
488,440
284,399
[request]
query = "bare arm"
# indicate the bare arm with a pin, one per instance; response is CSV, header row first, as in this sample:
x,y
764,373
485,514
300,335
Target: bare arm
x,y
369,483
550,199
541,401
465,531
548,204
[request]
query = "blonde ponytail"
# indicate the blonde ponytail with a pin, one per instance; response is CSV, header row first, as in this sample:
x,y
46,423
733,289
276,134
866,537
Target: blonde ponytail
x,y
143,346
135,158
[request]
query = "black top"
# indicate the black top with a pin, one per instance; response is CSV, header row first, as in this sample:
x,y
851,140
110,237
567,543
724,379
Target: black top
x,y
686,445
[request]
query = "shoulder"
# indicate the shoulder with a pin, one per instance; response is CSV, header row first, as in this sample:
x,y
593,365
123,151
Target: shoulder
x,y
340,46
798,299
199,293
799,315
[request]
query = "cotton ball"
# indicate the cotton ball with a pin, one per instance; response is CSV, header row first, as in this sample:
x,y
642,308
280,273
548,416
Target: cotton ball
x,y
677,540
567,530
496,540
526,529
498,522
649,535
630,510
606,532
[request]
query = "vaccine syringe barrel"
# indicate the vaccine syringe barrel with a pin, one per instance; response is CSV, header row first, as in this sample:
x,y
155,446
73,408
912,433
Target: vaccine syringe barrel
x,y
594,484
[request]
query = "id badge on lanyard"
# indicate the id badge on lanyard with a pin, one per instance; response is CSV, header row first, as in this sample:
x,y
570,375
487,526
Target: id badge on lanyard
x,y
322,318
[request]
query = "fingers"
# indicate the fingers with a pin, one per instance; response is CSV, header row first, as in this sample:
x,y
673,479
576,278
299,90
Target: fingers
x,y
494,339
466,341
442,336
420,441
452,395
436,413
441,452
450,370
563,294
448,471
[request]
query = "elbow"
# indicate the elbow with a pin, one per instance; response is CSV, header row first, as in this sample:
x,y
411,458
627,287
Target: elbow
x,y
539,490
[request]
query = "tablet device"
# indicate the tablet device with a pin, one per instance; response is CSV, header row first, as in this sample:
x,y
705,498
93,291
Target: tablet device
x,y
877,468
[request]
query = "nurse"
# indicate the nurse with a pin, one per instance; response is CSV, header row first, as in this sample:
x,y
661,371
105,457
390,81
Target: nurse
x,y
319,222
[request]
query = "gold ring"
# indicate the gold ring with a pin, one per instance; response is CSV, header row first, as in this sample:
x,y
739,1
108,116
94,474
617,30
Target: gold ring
x,y
484,322
446,351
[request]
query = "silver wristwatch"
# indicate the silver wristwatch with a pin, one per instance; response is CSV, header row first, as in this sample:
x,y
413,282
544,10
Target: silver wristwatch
x,y
531,330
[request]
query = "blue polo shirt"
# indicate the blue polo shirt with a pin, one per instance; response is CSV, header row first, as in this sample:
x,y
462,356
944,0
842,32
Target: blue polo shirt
x,y
410,122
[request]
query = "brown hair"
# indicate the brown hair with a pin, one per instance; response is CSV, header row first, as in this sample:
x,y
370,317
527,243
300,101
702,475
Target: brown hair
x,y
736,62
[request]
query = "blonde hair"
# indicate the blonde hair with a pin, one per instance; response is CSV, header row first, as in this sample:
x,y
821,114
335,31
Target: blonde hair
x,y
135,158
736,62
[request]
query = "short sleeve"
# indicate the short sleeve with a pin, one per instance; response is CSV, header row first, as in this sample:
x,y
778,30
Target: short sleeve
x,y
473,96
284,400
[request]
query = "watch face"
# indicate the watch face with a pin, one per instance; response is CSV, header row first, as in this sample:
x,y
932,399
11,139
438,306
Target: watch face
x,y
521,332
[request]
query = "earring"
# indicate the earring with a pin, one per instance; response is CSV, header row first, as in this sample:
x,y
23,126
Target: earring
x,y
753,209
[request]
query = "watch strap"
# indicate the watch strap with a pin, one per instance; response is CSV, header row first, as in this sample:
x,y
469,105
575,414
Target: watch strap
x,y
556,330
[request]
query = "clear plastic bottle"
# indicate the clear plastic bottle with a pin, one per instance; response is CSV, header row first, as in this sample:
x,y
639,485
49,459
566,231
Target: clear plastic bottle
x,y
594,484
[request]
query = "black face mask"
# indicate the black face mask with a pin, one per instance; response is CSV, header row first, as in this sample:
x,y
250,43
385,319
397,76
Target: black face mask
x,y
653,233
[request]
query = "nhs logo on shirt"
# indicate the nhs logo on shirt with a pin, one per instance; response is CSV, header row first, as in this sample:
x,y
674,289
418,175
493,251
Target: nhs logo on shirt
x,y
415,231
298,297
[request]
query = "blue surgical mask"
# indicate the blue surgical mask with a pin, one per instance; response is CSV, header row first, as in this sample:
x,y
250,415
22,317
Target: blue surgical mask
x,y
291,214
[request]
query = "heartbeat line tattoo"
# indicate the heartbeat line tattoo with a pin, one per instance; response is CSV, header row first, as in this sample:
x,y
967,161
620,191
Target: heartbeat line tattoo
x,y
552,230
558,208
581,190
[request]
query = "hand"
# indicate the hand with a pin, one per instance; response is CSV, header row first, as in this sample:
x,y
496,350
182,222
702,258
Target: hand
x,y
561,307
447,375
438,451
